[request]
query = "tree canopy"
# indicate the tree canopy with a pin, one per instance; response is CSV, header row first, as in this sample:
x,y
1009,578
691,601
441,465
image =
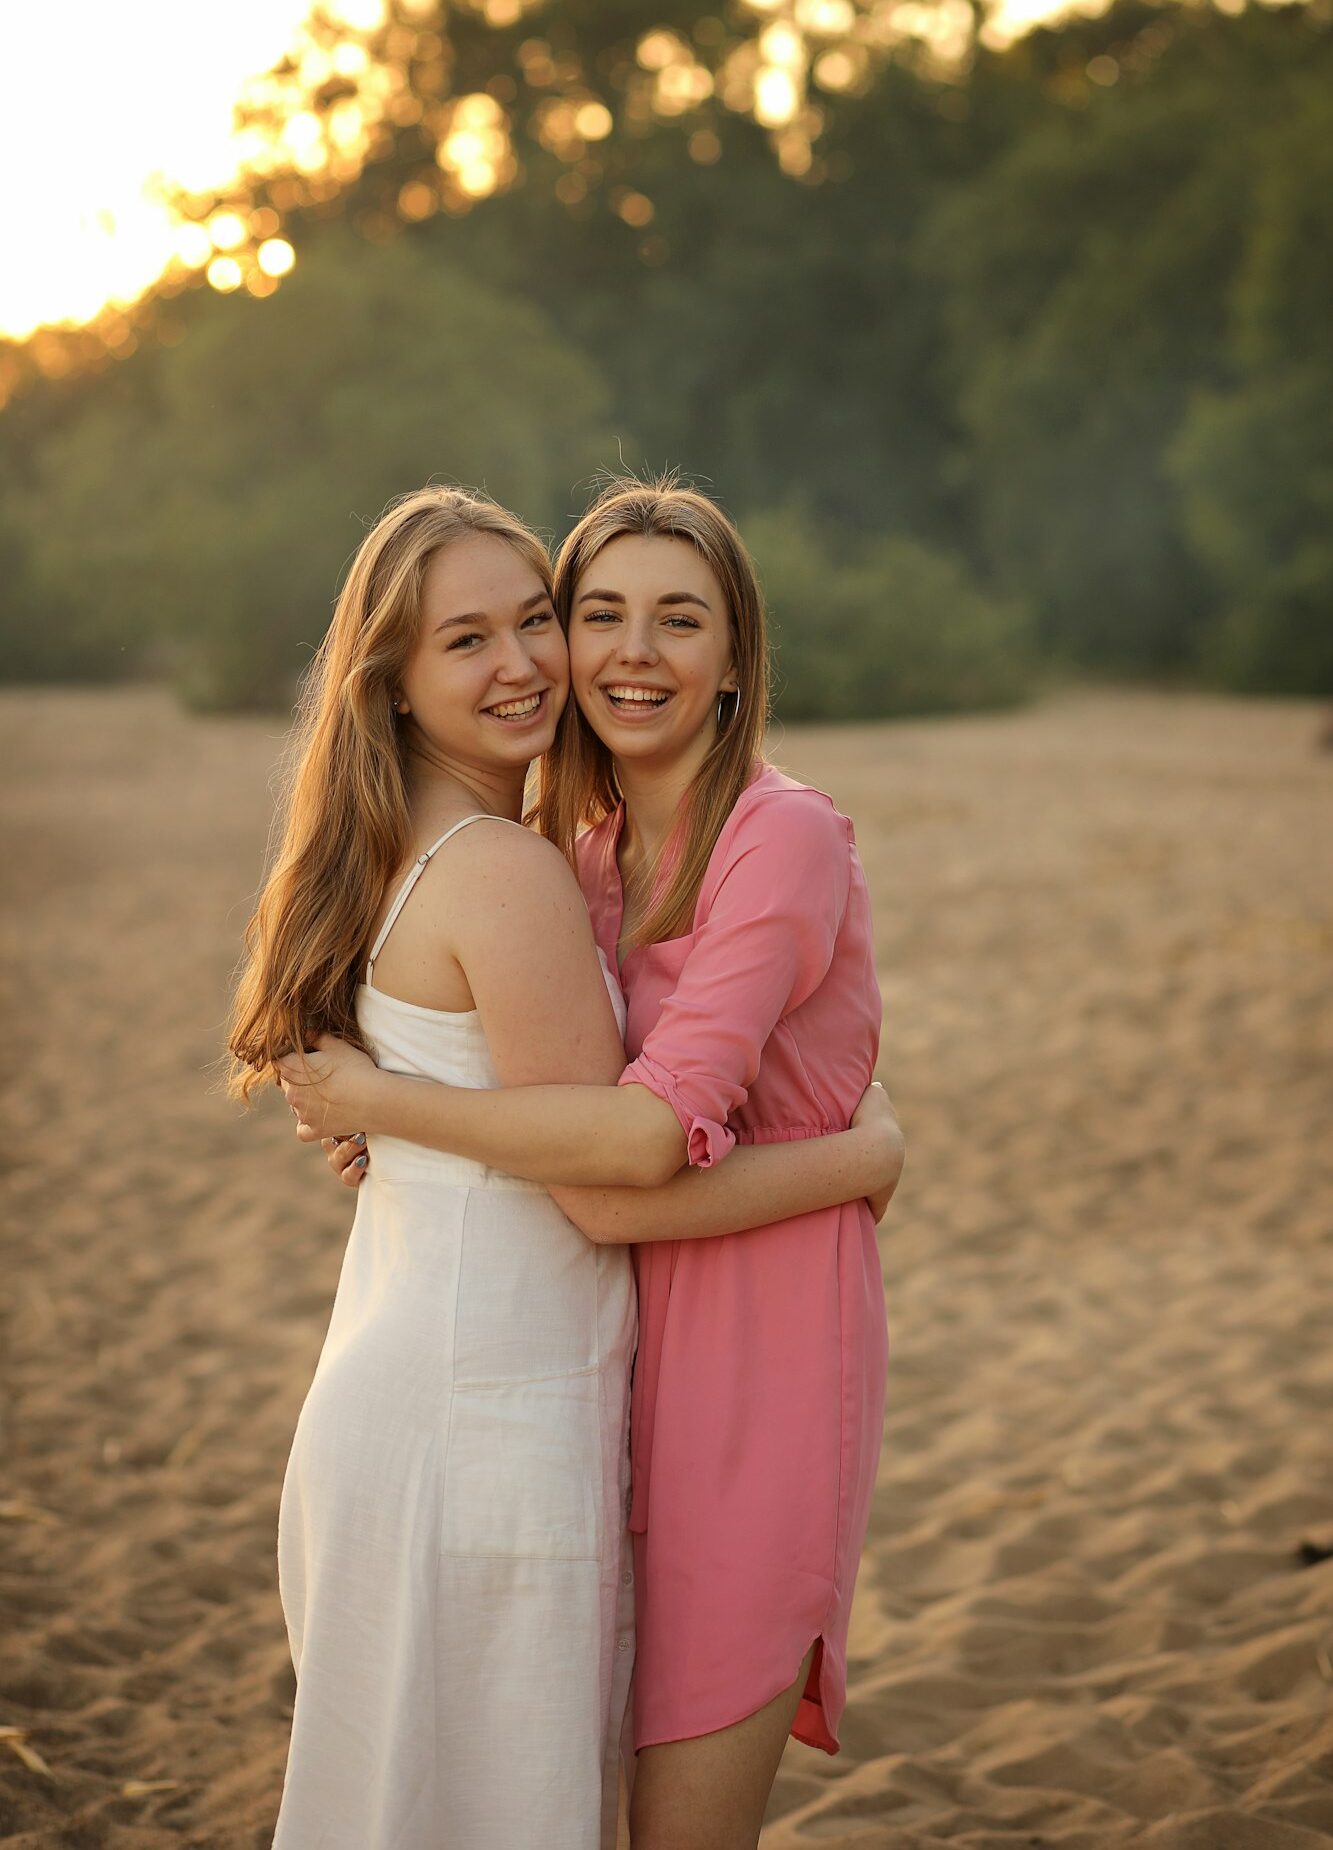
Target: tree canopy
x,y
1024,364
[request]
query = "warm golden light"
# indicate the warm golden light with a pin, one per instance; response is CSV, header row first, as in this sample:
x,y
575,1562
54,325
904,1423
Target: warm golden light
x,y
194,247
634,208
320,90
593,121
227,231
225,274
275,257
782,45
98,230
658,49
826,18
416,201
776,97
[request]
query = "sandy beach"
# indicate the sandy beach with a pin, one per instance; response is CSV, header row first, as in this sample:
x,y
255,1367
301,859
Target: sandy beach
x,y
1094,1609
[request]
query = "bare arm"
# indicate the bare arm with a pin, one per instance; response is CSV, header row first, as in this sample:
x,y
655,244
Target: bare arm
x,y
758,1184
524,942
585,1135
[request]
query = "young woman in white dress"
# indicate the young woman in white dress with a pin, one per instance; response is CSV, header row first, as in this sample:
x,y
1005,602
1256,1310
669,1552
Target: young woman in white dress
x,y
452,1550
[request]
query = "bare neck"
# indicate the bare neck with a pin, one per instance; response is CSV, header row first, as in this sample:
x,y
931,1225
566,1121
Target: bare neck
x,y
653,796
443,792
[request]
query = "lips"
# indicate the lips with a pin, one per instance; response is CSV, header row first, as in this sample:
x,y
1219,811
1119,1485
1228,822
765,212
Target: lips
x,y
517,712
636,701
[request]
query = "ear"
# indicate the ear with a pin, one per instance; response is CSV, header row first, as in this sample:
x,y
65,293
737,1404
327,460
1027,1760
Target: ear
x,y
729,683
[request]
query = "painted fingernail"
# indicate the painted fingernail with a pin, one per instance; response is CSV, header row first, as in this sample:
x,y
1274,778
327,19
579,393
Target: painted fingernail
x,y
360,1137
360,1162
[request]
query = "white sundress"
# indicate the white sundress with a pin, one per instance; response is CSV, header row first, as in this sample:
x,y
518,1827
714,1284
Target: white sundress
x,y
452,1555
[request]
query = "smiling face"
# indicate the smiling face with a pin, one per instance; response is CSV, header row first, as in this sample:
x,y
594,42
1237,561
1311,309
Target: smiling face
x,y
489,674
650,649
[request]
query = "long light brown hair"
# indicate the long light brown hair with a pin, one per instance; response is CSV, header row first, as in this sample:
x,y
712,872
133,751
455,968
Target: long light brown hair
x,y
578,784
344,824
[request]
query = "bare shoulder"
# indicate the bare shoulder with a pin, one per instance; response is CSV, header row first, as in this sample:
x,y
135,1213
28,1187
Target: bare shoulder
x,y
496,849
521,934
505,874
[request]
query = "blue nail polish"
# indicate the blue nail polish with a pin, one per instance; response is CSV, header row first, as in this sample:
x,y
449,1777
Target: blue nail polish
x,y
360,1137
360,1162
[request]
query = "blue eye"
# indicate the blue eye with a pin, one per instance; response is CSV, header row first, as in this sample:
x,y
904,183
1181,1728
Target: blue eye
x,y
462,641
539,616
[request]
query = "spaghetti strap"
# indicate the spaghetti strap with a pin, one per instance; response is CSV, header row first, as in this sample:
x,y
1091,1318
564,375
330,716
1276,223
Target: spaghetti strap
x,y
414,874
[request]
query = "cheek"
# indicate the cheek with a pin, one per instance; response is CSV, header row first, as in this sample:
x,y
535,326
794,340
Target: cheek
x,y
552,657
585,655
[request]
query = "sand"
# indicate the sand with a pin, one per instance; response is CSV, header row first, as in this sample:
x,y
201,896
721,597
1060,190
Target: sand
x,y
1084,1616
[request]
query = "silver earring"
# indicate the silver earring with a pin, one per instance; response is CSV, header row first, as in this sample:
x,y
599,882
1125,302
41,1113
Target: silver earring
x,y
735,693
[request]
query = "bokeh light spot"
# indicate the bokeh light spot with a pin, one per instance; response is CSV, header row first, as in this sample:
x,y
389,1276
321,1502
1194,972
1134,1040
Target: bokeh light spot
x,y
635,208
224,274
227,231
776,98
593,121
276,257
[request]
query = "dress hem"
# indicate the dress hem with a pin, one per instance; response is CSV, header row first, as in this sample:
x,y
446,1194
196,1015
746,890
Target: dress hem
x,y
801,1729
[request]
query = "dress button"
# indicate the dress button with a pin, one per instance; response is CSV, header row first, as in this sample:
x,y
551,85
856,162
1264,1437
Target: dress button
x,y
627,1580
622,1644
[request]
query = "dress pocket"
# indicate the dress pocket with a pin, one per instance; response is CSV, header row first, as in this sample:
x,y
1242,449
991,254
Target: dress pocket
x,y
524,1473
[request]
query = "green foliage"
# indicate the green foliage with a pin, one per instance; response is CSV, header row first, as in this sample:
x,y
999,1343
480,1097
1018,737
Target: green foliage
x,y
35,644
215,513
1066,341
1254,461
866,629
1256,470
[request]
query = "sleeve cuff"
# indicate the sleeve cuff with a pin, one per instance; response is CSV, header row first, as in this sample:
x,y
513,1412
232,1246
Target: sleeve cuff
x,y
706,1141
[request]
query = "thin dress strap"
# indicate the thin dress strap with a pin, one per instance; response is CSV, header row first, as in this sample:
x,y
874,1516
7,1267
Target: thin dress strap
x,y
413,875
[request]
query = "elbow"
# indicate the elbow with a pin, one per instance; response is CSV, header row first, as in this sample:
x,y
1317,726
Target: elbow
x,y
605,1233
588,1210
596,1223
603,1226
653,1146
660,1167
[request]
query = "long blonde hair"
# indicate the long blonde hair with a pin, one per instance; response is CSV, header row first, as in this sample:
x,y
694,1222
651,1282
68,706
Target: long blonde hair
x,y
578,784
344,819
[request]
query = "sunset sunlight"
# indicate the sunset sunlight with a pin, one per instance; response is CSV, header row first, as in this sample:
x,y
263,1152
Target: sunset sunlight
x,y
148,93
145,96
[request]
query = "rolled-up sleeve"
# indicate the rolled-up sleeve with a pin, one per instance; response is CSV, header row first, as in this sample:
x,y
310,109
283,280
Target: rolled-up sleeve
x,y
767,924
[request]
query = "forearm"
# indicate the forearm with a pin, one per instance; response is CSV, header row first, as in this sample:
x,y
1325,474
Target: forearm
x,y
594,1136
755,1185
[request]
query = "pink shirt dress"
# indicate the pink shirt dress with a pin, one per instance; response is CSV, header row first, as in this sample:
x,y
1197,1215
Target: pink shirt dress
x,y
758,1399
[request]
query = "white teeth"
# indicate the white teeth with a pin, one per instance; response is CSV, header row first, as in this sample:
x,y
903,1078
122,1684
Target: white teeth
x,y
517,709
644,695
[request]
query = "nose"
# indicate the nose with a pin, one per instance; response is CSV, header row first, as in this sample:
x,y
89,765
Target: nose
x,y
636,641
515,662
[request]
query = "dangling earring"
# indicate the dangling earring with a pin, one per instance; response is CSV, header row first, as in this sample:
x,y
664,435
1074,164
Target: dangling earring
x,y
735,693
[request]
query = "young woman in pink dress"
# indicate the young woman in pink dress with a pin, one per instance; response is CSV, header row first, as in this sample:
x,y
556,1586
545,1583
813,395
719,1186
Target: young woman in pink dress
x,y
733,903
453,1562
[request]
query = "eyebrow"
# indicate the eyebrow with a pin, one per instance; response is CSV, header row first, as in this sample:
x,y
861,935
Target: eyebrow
x,y
667,597
479,616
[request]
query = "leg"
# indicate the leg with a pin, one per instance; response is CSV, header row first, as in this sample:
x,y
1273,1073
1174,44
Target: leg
x,y
710,1793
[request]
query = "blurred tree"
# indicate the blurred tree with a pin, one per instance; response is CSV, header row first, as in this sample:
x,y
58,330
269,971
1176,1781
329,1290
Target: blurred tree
x,y
1036,319
1087,273
213,515
1255,462
867,629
